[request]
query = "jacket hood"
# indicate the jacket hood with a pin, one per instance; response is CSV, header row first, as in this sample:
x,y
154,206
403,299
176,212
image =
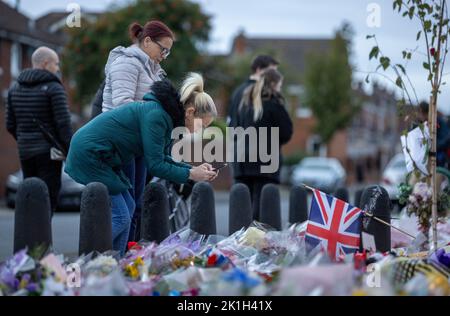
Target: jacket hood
x,y
132,51
36,76
167,95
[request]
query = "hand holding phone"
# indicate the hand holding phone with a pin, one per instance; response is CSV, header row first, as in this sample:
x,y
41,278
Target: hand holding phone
x,y
220,167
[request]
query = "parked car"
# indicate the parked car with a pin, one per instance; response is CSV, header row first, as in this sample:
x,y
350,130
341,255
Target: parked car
x,y
69,196
325,174
394,174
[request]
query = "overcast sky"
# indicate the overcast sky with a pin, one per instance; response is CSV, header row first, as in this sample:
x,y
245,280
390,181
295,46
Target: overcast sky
x,y
299,18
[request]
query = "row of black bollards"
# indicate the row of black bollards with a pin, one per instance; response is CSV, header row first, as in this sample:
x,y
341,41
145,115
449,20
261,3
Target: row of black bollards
x,y
33,214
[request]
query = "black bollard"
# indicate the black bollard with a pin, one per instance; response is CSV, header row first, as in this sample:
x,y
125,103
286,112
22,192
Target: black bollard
x,y
375,200
270,206
240,211
342,194
357,199
155,213
32,217
95,219
203,213
298,205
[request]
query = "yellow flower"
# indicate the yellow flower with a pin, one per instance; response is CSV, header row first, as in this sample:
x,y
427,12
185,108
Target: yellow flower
x,y
138,261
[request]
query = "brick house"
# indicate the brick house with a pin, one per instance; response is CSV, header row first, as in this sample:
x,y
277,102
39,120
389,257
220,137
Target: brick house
x,y
374,132
19,37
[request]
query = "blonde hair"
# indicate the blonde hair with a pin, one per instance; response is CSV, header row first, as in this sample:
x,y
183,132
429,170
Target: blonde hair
x,y
263,89
191,93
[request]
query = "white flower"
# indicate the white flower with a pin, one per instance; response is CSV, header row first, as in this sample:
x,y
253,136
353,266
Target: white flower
x,y
412,199
422,191
102,262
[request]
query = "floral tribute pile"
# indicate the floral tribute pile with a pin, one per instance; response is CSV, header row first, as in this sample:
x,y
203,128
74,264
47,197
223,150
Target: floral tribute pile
x,y
252,261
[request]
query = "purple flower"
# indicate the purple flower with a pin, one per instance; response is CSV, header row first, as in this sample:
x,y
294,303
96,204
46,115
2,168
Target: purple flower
x,y
7,278
32,287
441,257
26,277
16,284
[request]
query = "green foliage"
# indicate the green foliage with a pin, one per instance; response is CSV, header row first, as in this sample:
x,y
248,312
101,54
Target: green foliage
x,y
434,31
85,55
328,90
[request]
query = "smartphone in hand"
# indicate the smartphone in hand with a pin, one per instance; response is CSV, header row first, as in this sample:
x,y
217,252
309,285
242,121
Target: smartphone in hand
x,y
220,167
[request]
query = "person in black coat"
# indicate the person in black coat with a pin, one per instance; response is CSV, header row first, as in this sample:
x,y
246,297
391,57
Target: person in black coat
x,y
260,64
262,105
38,118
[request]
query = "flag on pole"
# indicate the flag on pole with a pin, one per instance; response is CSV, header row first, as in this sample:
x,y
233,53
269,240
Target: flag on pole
x,y
333,223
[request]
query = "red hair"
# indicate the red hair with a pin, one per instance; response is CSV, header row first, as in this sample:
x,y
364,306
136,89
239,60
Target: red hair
x,y
153,29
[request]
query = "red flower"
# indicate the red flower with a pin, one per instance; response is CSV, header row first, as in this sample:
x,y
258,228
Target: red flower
x,y
133,244
359,260
432,51
212,259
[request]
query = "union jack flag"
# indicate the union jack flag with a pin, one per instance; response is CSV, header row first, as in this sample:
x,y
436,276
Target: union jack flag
x,y
334,223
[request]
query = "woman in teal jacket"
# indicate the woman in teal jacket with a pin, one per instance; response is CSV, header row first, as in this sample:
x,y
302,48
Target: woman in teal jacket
x,y
100,149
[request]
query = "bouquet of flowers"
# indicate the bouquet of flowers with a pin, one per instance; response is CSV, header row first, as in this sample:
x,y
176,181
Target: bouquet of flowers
x,y
418,201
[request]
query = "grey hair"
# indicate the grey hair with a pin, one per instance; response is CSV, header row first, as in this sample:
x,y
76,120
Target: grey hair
x,y
191,93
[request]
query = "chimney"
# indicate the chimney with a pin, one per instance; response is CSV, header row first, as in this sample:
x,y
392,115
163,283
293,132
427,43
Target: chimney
x,y
239,43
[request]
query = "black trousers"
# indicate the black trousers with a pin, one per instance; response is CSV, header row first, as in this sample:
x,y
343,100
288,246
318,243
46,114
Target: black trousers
x,y
255,185
41,166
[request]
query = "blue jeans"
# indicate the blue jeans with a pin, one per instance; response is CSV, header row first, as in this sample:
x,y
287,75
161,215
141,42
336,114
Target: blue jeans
x,y
137,173
122,210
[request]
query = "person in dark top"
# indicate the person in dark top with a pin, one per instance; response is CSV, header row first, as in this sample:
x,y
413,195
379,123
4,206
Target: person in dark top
x,y
36,108
259,65
261,106
442,134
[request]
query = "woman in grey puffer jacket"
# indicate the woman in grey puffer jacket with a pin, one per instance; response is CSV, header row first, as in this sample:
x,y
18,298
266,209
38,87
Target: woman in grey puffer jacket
x,y
130,72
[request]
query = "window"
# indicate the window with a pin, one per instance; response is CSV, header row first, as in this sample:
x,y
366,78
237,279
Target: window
x,y
16,60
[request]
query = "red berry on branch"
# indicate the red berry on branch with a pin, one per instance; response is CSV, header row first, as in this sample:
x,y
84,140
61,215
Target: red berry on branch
x,y
432,51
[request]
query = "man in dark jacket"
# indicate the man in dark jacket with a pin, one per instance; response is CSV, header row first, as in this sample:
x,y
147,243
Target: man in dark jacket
x,y
37,107
259,65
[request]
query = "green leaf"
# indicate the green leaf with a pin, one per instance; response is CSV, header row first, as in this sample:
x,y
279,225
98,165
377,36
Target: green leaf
x,y
404,54
430,77
427,25
418,35
401,68
367,79
374,52
399,82
408,56
399,4
411,12
426,66
370,36
385,62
